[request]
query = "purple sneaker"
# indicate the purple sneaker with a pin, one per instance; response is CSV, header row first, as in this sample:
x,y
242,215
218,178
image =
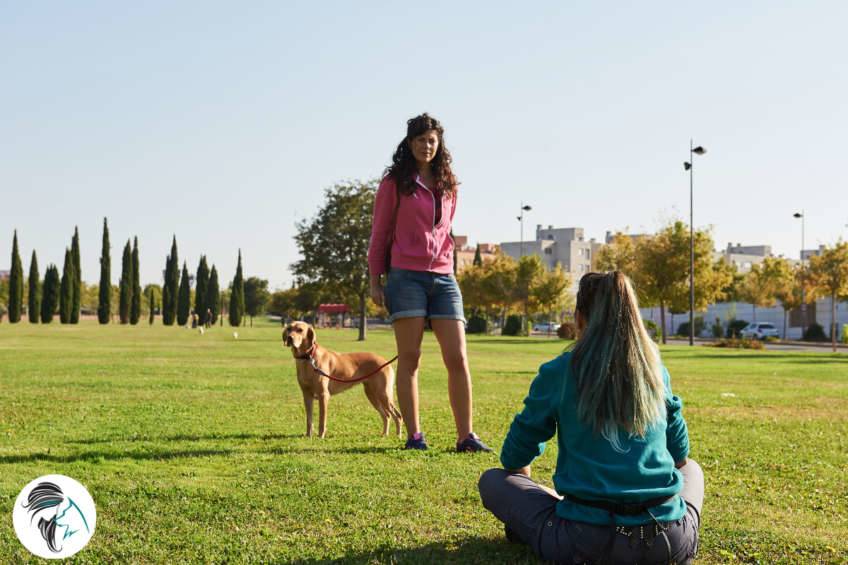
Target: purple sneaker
x,y
417,441
472,444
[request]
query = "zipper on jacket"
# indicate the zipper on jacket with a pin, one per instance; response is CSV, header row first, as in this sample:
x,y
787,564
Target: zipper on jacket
x,y
433,231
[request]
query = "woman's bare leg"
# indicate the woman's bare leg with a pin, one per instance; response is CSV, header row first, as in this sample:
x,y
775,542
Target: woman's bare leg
x,y
451,336
408,335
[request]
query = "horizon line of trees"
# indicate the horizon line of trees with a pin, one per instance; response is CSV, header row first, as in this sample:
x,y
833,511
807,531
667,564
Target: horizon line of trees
x,y
658,264
176,299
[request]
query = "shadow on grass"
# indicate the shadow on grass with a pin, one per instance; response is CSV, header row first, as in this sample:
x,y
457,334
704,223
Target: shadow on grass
x,y
112,455
185,437
472,550
514,341
322,449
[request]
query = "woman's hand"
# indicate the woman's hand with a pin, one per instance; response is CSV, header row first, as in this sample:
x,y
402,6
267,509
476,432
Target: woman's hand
x,y
377,292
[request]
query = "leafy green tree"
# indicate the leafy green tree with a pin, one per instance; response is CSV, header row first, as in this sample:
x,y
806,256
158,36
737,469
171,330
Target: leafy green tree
x,y
49,294
528,275
550,293
498,285
255,297
788,288
16,283
170,287
76,302
157,294
104,306
224,305
661,274
829,273
281,303
617,255
471,284
125,285
756,290
66,289
236,307
135,303
201,288
213,296
334,245
34,298
184,298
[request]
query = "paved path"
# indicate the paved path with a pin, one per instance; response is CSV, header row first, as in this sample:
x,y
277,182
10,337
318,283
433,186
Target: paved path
x,y
790,346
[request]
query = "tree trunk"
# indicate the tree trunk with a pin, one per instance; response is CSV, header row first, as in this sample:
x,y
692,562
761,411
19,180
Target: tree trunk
x,y
754,309
362,329
662,322
525,320
833,321
785,314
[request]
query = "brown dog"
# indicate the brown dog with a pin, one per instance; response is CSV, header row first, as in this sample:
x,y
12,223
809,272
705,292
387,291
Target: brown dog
x,y
300,337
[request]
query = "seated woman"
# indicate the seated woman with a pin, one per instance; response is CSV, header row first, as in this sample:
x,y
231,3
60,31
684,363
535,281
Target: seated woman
x,y
625,491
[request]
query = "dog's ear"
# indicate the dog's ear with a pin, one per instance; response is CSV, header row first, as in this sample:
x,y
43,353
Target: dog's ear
x,y
310,336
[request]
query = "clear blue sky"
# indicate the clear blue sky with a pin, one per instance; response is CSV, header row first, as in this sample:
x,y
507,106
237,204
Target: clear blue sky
x,y
224,122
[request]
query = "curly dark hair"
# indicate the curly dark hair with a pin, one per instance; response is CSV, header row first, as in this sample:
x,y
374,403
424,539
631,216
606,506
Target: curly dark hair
x,y
404,167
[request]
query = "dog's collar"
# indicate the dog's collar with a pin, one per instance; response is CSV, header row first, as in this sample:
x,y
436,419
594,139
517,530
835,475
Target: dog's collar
x,y
308,354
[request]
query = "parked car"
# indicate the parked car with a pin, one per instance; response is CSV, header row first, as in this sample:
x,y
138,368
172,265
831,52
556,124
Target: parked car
x,y
759,330
546,327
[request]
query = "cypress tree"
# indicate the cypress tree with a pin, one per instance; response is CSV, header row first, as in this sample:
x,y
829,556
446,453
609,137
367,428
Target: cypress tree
x,y
166,297
125,285
237,296
16,284
34,305
478,258
77,286
151,304
66,289
213,296
49,294
169,289
184,300
104,305
201,287
135,303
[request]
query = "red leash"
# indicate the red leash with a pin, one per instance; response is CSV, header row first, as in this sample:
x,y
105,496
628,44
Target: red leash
x,y
310,355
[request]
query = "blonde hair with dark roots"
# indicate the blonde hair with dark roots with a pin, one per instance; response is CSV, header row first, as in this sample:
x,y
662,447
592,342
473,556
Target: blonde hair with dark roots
x,y
616,365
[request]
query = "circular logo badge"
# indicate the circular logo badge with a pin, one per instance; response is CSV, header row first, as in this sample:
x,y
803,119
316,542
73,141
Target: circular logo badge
x,y
54,516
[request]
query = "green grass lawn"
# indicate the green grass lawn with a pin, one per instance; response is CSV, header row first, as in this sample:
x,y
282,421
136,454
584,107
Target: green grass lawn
x,y
192,448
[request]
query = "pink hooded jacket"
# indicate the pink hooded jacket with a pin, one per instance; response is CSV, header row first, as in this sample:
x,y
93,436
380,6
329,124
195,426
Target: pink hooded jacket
x,y
418,243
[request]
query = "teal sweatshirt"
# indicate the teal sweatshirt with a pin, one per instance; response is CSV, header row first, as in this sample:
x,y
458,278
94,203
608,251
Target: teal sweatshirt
x,y
587,465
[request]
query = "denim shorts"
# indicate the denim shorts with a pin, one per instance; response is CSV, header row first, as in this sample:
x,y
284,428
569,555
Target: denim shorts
x,y
421,294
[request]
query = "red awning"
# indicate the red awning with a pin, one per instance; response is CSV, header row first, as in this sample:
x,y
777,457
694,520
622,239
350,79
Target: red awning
x,y
333,308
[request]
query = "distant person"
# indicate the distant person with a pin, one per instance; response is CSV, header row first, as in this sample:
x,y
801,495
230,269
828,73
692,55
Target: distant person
x,y
411,244
208,321
625,490
193,319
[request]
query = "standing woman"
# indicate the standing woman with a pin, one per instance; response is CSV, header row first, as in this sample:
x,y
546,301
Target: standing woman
x,y
411,244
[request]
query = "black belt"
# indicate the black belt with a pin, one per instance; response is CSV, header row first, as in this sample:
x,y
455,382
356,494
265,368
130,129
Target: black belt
x,y
622,509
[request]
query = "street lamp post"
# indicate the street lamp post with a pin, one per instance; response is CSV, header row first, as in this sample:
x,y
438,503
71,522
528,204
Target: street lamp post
x,y
801,215
688,166
520,218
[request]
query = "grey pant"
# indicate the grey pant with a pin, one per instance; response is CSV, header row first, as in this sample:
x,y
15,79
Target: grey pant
x,y
529,511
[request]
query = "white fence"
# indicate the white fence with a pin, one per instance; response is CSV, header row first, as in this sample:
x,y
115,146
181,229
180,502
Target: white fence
x,y
726,311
